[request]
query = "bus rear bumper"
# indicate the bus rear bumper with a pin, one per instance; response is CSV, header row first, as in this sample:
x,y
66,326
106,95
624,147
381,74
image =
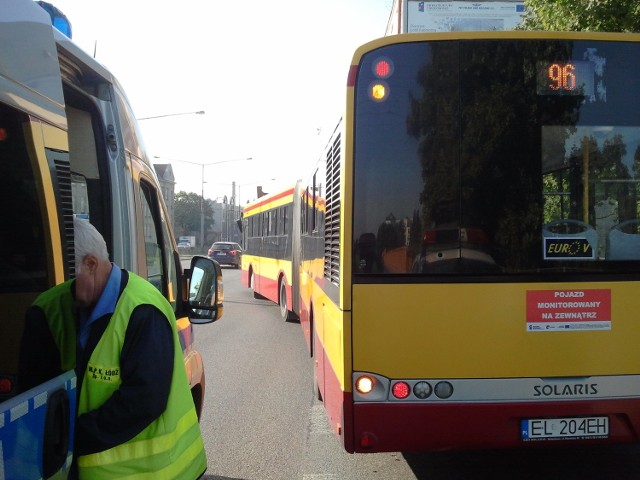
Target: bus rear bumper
x,y
388,427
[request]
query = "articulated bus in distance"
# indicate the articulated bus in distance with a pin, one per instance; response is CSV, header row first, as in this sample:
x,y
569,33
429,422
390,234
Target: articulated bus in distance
x,y
470,244
271,249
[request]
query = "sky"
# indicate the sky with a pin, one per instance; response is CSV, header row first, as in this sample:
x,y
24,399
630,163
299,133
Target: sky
x,y
270,77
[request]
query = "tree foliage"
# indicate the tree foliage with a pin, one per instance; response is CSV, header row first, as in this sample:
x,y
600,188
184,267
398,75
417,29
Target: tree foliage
x,y
187,213
590,15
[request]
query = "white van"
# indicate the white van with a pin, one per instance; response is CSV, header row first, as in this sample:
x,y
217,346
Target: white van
x,y
70,145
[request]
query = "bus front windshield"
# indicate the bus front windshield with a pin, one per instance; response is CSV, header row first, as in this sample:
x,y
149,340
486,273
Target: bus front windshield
x,y
495,157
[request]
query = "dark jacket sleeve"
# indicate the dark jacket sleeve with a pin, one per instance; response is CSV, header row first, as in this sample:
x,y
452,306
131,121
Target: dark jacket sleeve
x,y
146,364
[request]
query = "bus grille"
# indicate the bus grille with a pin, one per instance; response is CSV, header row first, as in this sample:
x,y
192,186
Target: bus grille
x,y
63,177
332,216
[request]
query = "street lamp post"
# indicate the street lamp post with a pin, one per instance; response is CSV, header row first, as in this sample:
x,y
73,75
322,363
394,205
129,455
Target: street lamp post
x,y
202,165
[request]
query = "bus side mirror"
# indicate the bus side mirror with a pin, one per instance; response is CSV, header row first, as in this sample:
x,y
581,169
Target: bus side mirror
x,y
206,292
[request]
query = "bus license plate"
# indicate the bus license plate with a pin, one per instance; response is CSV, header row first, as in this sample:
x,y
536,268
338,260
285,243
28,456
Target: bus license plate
x,y
571,427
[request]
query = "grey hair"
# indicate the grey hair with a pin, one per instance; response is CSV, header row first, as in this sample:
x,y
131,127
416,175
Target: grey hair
x,y
88,241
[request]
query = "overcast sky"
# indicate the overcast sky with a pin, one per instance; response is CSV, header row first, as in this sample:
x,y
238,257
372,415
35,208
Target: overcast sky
x,y
267,74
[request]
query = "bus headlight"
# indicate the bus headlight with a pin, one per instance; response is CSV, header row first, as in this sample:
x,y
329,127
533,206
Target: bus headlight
x,y
365,384
369,387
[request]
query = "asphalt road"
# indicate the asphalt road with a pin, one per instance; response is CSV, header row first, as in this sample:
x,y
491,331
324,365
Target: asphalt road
x,y
261,421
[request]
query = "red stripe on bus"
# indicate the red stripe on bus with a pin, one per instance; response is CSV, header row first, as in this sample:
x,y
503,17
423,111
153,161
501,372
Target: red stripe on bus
x,y
353,74
269,200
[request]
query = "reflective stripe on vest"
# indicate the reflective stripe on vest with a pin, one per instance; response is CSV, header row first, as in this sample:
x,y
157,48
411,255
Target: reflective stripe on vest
x,y
171,446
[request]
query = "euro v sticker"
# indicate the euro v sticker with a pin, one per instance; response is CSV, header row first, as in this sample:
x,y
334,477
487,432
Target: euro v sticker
x,y
568,248
568,310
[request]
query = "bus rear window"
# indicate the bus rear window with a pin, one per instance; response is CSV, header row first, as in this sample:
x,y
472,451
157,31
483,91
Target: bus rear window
x,y
495,157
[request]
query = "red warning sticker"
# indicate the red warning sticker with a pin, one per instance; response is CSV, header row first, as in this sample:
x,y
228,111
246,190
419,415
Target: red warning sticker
x,y
568,310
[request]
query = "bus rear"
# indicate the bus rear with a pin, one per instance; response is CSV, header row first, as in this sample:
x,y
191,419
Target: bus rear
x,y
489,284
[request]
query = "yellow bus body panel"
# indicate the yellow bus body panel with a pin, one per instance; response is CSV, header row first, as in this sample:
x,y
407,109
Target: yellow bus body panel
x,y
479,331
269,267
332,325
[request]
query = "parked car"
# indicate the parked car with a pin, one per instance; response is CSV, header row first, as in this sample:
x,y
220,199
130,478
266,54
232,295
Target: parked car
x,y
184,245
226,253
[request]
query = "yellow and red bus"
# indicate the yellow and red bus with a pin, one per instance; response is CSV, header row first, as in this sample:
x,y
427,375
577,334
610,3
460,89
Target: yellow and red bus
x,y
271,249
469,244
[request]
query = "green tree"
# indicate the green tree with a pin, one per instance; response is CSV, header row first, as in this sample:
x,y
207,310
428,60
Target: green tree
x,y
187,213
591,15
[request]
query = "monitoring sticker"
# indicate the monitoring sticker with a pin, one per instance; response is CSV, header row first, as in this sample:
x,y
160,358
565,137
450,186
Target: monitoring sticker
x,y
568,310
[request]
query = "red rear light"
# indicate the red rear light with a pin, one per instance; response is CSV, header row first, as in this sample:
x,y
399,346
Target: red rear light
x,y
473,235
6,385
368,440
210,252
232,252
429,237
383,68
401,390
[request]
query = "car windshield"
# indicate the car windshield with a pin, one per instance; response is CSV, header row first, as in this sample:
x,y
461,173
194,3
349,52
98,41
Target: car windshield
x,y
224,246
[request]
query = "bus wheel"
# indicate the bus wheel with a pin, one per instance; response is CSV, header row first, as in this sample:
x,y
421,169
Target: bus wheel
x,y
253,287
282,297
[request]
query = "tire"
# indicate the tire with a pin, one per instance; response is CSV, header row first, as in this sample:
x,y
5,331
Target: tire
x,y
255,294
282,301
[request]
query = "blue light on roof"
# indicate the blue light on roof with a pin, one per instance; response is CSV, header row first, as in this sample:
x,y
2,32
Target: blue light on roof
x,y
58,19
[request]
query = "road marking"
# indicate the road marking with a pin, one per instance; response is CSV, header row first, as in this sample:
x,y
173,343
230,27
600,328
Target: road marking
x,y
319,476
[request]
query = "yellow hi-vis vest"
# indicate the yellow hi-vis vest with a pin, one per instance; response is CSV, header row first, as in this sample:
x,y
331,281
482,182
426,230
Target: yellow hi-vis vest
x,y
171,446
57,303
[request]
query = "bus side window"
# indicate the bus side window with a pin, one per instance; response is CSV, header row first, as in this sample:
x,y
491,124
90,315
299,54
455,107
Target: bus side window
x,y
80,196
161,265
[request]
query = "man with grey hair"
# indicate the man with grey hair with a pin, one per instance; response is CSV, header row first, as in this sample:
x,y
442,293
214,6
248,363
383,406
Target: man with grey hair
x,y
135,411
